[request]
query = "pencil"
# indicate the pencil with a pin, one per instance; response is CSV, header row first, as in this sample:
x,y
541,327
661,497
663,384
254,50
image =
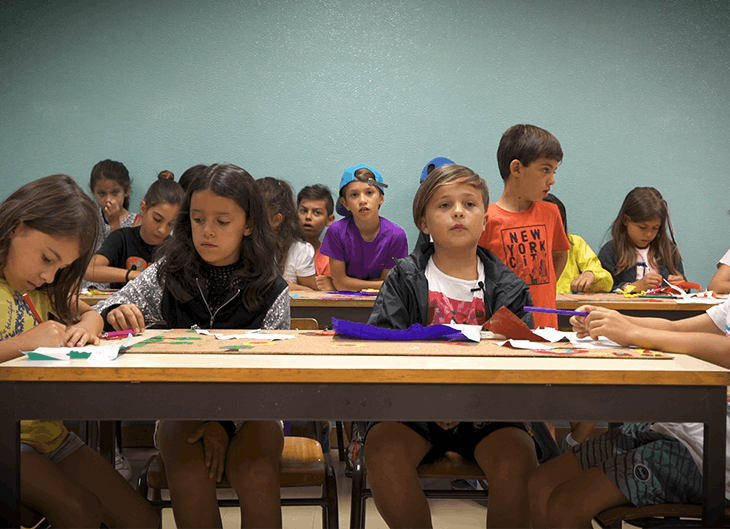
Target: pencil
x,y
556,311
33,310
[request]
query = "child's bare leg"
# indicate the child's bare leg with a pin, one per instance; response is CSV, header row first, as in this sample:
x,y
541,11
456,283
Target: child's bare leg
x,y
507,456
392,454
46,489
544,479
575,502
120,503
193,495
252,467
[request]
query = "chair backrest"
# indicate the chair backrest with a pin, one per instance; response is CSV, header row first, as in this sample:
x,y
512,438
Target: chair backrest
x,y
304,324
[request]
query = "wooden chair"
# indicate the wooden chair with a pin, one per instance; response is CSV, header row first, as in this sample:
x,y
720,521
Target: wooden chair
x,y
304,324
450,466
664,515
303,464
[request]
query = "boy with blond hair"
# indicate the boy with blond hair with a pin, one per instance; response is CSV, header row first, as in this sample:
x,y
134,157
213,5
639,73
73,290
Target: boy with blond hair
x,y
449,280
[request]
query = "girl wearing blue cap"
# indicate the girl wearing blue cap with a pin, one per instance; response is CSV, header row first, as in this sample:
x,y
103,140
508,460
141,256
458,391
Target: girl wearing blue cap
x,y
363,246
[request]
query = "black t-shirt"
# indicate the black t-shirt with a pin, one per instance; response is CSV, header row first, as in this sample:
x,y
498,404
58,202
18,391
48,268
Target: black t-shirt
x,y
126,249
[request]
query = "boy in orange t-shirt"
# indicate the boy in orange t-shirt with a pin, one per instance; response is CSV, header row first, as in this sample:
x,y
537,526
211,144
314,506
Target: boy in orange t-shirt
x,y
523,231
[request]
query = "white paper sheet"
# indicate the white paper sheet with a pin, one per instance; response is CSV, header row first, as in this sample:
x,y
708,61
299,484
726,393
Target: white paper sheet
x,y
98,353
472,332
250,335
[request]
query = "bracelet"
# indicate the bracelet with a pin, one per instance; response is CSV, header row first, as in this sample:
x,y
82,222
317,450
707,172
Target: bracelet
x,y
570,441
126,277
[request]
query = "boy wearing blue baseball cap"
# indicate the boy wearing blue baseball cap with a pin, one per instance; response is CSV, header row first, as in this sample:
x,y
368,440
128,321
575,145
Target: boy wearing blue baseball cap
x,y
363,245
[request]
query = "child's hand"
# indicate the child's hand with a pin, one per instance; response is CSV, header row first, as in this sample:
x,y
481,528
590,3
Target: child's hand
x,y
126,317
448,425
675,278
611,324
650,280
324,283
215,445
578,322
583,282
78,335
47,334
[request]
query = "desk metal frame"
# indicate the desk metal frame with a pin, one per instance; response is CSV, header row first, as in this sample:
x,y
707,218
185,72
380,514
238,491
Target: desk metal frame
x,y
360,401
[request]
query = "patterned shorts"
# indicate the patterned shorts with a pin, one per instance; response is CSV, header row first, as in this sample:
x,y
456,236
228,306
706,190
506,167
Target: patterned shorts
x,y
647,466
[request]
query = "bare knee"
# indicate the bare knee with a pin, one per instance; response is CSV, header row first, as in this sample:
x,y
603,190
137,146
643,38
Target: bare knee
x,y
507,452
393,445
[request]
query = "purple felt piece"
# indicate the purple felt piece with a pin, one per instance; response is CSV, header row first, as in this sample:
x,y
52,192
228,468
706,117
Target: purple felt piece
x,y
413,333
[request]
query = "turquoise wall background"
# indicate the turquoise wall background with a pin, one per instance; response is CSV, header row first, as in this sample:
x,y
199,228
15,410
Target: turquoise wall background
x,y
636,91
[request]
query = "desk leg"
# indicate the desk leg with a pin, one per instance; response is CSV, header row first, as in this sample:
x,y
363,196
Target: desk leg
x,y
9,458
713,465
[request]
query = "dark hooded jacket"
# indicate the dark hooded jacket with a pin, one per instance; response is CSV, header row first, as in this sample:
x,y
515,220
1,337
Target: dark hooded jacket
x,y
403,298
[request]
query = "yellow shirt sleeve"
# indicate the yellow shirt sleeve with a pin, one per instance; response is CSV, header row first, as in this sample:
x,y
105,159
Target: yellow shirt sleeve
x,y
582,258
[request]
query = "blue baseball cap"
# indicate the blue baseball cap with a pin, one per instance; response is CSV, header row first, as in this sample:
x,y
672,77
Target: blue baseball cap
x,y
436,162
349,176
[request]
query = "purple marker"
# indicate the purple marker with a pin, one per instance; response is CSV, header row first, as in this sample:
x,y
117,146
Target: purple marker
x,y
556,311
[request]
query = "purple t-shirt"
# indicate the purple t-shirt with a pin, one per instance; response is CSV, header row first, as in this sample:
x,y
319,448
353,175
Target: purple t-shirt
x,y
364,260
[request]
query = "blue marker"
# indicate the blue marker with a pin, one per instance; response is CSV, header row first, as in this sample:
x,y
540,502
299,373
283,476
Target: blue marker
x,y
556,311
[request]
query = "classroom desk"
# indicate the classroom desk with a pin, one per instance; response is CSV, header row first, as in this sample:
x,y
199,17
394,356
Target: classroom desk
x,y
366,387
324,305
93,299
642,307
321,306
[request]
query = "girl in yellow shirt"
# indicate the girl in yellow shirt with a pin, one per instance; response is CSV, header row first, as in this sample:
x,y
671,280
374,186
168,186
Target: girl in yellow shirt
x,y
48,233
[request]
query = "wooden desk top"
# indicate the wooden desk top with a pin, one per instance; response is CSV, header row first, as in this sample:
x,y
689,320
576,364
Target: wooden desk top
x,y
620,302
358,368
308,298
94,298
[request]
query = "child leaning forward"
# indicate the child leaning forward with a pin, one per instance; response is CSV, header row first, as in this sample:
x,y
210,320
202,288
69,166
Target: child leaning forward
x,y
449,280
638,463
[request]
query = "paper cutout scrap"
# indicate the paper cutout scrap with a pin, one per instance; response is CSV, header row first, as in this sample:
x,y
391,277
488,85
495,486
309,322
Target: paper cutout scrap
x,y
250,335
93,353
414,332
504,322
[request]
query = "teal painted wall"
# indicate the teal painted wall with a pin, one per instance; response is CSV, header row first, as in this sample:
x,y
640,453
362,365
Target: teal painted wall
x,y
636,91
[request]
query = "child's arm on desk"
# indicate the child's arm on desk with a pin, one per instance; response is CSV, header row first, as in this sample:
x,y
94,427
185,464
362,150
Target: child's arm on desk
x,y
720,282
342,281
697,336
47,334
55,334
99,271
87,329
325,284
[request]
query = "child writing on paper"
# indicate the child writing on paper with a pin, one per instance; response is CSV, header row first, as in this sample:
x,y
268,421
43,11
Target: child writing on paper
x,y
449,280
363,246
720,282
583,271
644,463
48,232
216,270
126,252
294,255
316,212
641,252
523,231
